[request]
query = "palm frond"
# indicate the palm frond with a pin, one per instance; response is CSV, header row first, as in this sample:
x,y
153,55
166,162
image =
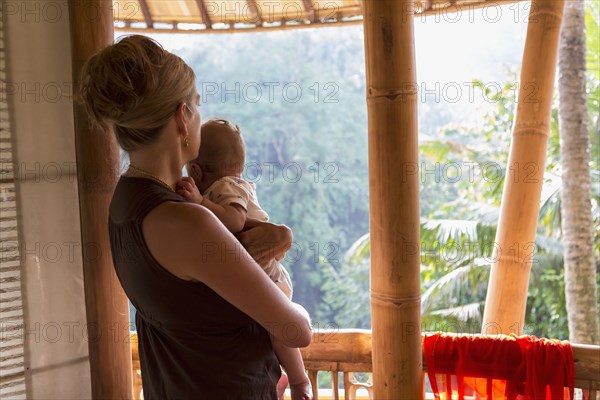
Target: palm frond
x,y
551,188
359,250
548,244
456,230
457,279
435,149
486,214
463,312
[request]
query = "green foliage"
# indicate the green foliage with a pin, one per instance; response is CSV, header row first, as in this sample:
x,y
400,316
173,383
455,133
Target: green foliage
x,y
592,42
347,292
546,314
592,26
301,110
457,236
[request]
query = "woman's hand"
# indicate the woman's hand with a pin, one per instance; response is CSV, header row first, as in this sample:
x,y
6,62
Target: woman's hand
x,y
265,241
187,188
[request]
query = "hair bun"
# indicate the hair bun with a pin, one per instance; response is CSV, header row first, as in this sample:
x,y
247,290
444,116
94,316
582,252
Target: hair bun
x,y
120,76
136,85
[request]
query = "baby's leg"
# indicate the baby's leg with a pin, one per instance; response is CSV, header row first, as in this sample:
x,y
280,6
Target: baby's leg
x,y
290,357
291,361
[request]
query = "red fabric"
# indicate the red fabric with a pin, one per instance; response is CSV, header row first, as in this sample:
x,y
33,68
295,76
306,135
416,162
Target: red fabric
x,y
499,367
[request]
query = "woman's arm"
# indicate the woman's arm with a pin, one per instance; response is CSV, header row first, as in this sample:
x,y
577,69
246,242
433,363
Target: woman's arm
x,y
233,215
190,242
265,241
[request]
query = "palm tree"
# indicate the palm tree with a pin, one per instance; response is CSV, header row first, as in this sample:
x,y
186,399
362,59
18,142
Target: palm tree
x,y
576,207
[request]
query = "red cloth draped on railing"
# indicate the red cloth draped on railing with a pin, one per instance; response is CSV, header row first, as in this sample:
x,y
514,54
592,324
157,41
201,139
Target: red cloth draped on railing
x,y
499,367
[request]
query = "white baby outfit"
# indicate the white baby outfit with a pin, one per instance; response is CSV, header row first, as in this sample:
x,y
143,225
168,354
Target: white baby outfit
x,y
229,190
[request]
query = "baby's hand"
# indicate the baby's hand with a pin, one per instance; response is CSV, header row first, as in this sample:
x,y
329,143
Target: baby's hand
x,y
188,189
301,391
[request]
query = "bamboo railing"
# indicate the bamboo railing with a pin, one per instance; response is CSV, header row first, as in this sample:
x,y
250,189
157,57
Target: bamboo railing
x,y
349,351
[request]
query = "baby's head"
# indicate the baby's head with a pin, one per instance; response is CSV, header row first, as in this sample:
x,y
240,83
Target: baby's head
x,y
222,153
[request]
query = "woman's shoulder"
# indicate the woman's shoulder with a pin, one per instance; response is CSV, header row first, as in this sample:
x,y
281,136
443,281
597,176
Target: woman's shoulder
x,y
181,222
133,198
179,235
180,214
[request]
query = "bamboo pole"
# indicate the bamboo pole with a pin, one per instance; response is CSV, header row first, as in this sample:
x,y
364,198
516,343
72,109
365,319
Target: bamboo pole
x,y
97,172
394,198
515,238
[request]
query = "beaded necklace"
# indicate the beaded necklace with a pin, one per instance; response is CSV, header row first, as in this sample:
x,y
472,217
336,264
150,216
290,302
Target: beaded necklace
x,y
149,175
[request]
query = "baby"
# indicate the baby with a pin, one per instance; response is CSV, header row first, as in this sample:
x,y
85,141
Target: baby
x,y
215,182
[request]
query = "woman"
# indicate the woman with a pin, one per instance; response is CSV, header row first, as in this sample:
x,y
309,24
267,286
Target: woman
x,y
205,308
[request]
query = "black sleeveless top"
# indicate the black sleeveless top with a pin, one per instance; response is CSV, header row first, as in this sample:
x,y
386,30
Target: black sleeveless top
x,y
193,344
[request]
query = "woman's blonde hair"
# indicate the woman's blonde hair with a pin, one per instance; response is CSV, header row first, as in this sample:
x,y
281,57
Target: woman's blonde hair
x,y
136,85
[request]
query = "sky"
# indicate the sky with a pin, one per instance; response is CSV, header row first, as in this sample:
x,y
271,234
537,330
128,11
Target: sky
x,y
460,37
451,50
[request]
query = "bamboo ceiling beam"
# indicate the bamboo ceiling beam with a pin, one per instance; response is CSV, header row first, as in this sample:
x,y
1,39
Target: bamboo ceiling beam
x,y
97,157
230,29
146,13
204,14
515,238
310,10
426,4
393,181
255,11
348,19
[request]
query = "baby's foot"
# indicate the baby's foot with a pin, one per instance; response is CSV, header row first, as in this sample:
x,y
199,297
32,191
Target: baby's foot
x,y
301,391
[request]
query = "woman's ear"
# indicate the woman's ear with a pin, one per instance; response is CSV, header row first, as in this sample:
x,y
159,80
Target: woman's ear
x,y
181,119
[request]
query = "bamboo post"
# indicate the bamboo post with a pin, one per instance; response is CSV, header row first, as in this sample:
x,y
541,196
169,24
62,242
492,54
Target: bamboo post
x,y
97,172
515,238
394,198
